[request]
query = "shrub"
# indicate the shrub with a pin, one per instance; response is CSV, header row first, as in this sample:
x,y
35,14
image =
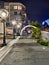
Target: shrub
x,y
36,32
43,42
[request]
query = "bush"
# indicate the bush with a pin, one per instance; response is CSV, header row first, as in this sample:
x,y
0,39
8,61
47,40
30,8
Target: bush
x,y
36,32
43,42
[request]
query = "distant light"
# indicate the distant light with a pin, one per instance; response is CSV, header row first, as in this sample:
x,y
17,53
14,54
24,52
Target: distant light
x,y
3,14
13,22
15,7
29,31
47,21
19,7
43,23
18,26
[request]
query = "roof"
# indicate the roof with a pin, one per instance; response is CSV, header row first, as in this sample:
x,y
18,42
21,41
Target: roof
x,y
15,3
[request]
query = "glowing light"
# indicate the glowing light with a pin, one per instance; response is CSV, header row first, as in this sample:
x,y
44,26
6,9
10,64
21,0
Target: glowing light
x,y
15,7
18,26
29,31
13,22
19,8
3,14
43,23
47,21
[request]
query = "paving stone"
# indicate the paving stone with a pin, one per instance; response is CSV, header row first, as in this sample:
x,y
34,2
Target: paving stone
x,y
27,55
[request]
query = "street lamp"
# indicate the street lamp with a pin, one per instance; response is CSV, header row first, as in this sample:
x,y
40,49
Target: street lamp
x,y
13,23
3,16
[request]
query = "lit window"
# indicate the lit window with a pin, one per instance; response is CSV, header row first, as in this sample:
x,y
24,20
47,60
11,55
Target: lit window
x,y
19,8
15,7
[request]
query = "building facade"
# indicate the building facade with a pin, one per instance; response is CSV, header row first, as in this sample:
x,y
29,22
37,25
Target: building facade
x,y
17,12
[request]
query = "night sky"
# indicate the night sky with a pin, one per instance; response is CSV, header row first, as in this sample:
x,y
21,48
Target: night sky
x,y
36,9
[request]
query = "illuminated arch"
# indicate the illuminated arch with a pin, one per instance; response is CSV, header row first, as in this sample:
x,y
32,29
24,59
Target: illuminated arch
x,y
25,28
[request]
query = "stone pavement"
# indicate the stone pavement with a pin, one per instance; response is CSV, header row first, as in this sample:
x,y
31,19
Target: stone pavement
x,y
5,49
7,40
27,55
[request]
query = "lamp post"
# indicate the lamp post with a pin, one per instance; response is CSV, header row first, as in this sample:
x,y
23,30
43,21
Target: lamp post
x,y
4,15
14,24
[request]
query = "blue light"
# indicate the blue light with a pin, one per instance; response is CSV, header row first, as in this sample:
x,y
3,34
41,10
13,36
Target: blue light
x,y
43,22
47,21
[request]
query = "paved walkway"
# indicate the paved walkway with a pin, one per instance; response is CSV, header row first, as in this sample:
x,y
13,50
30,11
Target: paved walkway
x,y
27,55
7,40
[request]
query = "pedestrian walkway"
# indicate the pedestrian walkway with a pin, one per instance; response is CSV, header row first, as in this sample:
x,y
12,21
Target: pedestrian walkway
x,y
1,42
6,49
23,49
27,55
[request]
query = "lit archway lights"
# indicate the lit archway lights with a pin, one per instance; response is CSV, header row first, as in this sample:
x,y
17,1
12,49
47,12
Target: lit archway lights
x,y
16,40
25,28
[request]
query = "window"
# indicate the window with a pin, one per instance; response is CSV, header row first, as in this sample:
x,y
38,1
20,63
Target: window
x,y
19,7
15,7
15,13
